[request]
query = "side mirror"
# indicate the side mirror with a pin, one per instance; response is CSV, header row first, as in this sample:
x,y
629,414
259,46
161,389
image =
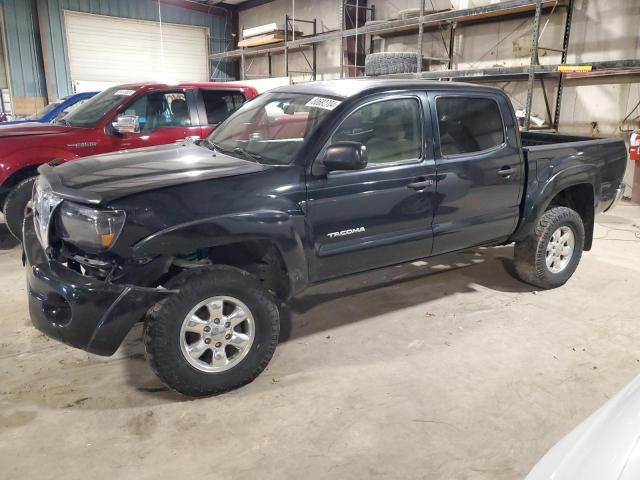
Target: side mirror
x,y
345,156
126,124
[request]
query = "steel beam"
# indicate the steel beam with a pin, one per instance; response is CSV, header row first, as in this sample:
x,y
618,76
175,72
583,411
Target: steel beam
x,y
420,37
565,51
535,37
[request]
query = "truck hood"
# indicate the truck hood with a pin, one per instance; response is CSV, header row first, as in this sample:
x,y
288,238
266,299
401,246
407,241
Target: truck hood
x,y
31,128
107,177
605,446
16,122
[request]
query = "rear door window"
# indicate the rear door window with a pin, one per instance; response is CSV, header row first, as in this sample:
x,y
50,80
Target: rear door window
x,y
218,105
468,124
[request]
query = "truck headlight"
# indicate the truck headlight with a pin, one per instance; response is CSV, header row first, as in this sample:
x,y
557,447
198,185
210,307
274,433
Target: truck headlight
x,y
89,227
44,204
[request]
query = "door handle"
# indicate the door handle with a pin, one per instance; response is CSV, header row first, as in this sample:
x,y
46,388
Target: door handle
x,y
506,171
420,184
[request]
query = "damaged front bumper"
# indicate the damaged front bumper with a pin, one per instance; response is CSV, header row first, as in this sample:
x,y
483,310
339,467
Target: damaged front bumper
x,y
84,312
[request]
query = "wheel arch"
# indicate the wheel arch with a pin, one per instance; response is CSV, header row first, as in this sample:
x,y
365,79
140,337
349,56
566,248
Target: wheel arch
x,y
261,257
580,198
21,174
575,188
265,243
22,164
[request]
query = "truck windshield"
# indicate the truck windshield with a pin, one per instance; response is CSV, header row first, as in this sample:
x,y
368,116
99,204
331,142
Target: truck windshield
x,y
90,112
44,110
273,128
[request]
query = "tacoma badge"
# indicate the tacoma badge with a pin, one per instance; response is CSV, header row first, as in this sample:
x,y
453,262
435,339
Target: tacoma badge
x,y
344,233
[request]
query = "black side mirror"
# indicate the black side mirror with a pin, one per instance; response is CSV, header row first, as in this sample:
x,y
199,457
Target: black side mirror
x,y
345,156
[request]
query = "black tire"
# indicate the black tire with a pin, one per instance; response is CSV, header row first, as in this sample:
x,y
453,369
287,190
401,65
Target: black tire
x,y
530,254
15,204
162,332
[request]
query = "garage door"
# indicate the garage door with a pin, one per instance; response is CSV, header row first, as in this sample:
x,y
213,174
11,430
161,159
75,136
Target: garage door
x,y
110,49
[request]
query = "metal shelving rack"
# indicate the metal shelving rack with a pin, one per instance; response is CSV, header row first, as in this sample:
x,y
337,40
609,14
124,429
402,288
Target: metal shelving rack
x,y
452,20
358,52
284,47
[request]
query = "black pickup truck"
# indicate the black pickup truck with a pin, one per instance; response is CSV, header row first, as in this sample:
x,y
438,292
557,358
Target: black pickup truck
x,y
205,241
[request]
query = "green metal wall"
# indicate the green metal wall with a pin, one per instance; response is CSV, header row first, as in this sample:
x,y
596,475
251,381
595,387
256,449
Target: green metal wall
x,y
26,60
26,73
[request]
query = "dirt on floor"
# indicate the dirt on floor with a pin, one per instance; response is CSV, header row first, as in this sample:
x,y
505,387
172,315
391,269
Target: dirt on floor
x,y
449,368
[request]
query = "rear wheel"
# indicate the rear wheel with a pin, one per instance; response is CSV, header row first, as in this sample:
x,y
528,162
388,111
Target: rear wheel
x,y
550,255
15,204
217,334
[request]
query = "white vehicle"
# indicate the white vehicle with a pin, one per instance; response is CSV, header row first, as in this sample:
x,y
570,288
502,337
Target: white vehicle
x,y
603,447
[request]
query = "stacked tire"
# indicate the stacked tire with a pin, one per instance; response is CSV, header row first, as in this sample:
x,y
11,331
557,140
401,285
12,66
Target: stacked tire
x,y
387,63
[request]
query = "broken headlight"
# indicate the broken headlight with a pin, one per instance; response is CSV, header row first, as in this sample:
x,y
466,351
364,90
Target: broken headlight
x,y
44,204
91,228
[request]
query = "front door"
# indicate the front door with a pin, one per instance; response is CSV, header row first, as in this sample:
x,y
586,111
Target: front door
x,y
380,215
164,117
479,167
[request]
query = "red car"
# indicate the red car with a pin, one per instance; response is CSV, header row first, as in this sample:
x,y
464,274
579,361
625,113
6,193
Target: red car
x,y
120,118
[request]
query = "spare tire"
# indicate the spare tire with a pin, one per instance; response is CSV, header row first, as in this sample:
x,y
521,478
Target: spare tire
x,y
386,63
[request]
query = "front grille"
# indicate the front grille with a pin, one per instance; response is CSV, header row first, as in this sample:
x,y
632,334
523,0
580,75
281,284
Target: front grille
x,y
85,264
77,265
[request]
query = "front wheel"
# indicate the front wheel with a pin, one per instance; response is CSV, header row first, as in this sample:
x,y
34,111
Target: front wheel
x,y
217,334
549,256
15,204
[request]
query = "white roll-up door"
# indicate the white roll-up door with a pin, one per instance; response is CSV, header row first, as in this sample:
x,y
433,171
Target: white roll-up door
x,y
112,49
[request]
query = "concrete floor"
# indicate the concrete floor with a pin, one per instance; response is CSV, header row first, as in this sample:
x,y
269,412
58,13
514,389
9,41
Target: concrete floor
x,y
451,370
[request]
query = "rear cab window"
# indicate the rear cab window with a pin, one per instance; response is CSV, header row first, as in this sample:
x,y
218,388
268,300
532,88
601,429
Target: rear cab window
x,y
219,104
468,124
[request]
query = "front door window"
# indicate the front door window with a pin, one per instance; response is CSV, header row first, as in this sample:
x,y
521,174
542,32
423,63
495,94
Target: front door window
x,y
160,110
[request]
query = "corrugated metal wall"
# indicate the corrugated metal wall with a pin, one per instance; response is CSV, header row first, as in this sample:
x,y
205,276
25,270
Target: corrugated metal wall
x,y
27,62
23,49
4,83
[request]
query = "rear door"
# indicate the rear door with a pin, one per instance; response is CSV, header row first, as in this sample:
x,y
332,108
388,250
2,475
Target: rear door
x,y
380,215
215,105
480,171
164,117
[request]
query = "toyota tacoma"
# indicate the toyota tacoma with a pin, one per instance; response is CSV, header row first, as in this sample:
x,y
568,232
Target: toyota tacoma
x,y
205,241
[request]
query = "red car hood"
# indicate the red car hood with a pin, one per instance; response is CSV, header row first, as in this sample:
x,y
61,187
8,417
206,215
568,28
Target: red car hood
x,y
32,129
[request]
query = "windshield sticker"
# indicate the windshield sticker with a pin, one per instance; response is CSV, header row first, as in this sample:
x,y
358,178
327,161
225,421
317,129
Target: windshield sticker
x,y
321,102
125,93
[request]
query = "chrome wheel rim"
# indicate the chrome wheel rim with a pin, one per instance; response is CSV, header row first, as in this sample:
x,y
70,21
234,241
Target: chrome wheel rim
x,y
217,334
560,249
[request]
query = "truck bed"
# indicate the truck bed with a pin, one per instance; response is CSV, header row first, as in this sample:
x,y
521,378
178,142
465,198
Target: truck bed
x,y
546,152
533,139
